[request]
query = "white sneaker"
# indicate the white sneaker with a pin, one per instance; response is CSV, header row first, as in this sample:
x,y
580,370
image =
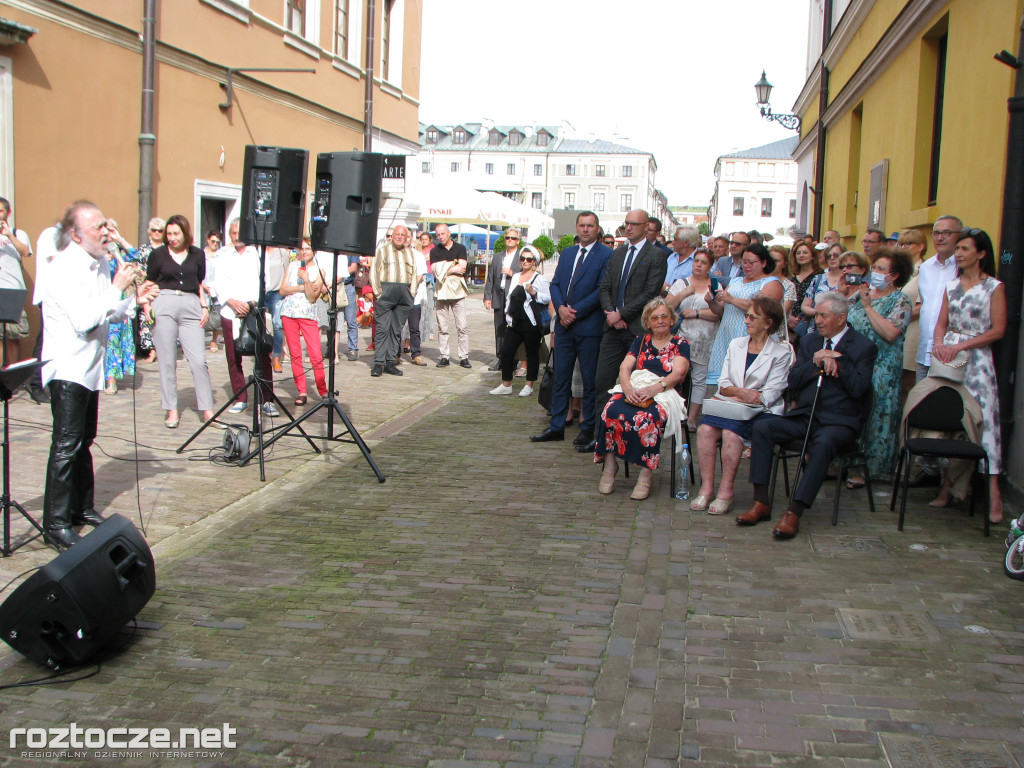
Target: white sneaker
x,y
501,389
238,407
526,391
270,410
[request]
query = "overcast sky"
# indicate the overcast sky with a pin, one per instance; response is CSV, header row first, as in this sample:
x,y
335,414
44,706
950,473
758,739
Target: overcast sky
x,y
672,77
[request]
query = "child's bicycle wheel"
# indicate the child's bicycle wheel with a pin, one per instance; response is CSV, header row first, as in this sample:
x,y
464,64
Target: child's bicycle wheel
x,y
1013,565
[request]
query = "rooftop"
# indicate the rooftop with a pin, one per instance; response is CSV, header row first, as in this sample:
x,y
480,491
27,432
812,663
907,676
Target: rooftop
x,y
777,150
519,138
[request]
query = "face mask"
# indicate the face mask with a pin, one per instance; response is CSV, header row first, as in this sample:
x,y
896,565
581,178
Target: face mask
x,y
877,280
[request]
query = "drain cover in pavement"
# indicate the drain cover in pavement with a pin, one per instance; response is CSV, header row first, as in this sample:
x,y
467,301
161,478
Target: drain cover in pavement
x,y
888,625
848,545
933,752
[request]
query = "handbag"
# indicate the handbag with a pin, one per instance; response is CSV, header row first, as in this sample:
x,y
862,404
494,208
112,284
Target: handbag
x,y
731,409
546,388
253,325
954,370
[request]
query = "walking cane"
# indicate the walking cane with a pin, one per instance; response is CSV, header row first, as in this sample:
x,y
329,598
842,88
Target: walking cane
x,y
807,436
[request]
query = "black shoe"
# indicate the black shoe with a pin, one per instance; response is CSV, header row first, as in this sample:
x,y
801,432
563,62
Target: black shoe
x,y
495,367
443,362
62,538
548,435
923,480
377,370
588,448
392,369
583,438
86,517
464,362
39,395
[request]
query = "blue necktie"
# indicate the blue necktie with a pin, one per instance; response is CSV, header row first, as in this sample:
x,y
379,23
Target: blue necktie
x,y
625,276
575,274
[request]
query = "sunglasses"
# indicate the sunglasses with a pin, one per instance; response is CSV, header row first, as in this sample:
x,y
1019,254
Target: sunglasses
x,y
152,229
513,239
969,231
737,242
849,266
527,258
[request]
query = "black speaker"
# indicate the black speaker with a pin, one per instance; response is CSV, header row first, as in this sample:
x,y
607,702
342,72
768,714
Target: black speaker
x,y
273,196
346,202
66,611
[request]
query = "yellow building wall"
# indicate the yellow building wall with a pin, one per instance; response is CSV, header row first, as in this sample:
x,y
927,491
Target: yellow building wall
x,y
896,123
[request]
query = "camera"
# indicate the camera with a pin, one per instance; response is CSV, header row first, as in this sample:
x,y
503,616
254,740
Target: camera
x,y
854,279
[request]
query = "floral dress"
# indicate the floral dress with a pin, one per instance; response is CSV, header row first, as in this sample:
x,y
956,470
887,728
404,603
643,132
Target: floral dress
x,y
145,326
120,357
970,315
631,432
884,421
732,322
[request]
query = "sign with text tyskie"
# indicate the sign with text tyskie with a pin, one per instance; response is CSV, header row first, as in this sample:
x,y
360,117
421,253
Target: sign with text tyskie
x,y
393,178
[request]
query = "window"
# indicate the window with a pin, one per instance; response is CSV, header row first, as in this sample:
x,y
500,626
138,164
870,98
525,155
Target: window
x,y
426,167
730,169
570,170
625,202
627,170
455,167
570,200
599,201
538,169
494,137
459,137
515,138
537,200
766,207
940,91
511,169
489,169
766,170
599,170
737,206
432,135
543,137
295,16
792,209
385,40
341,28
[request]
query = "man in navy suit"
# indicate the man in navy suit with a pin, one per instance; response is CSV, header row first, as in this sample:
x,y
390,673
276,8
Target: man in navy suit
x,y
635,275
576,294
846,359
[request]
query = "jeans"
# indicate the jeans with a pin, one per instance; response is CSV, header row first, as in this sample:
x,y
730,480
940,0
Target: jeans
x,y
350,319
69,474
273,301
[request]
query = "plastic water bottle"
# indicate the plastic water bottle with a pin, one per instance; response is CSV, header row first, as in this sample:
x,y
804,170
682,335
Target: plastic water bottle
x,y
683,491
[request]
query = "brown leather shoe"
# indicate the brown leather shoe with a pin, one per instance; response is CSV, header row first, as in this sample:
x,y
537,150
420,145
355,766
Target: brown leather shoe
x,y
755,514
787,527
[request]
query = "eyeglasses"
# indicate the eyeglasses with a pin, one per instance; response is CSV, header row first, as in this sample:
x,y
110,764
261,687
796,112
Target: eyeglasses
x,y
214,241
737,242
880,270
970,231
512,239
943,232
849,266
868,241
527,258
751,316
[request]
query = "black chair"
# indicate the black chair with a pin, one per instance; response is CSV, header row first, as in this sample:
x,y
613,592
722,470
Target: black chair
x,y
854,456
941,411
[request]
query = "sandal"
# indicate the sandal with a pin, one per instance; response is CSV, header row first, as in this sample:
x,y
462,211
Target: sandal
x,y
699,503
300,400
606,486
641,490
854,483
720,506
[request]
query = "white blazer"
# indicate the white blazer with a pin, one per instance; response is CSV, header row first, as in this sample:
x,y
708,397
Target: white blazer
x,y
769,373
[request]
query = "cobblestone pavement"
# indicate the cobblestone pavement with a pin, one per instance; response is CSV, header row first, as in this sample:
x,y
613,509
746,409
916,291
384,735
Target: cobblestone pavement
x,y
486,607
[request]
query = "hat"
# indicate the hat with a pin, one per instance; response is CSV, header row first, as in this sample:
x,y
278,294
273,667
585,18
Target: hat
x,y
894,236
821,246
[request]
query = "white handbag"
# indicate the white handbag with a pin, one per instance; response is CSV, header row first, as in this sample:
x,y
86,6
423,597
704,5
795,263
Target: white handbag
x,y
731,409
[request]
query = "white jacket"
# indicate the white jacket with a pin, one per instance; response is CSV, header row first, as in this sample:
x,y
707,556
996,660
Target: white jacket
x,y
769,373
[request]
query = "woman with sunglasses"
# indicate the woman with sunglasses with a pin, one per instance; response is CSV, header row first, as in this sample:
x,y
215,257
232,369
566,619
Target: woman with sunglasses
x,y
824,282
972,318
855,266
214,241
528,293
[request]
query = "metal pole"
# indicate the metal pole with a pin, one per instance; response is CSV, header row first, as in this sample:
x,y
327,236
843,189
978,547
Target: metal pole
x,y
371,12
146,136
1010,250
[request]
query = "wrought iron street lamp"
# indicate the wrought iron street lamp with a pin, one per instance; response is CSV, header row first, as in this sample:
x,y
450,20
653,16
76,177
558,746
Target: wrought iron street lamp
x,y
764,91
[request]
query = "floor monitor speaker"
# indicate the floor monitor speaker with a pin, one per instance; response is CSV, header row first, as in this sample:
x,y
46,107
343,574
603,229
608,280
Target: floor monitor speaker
x,y
273,196
67,610
346,202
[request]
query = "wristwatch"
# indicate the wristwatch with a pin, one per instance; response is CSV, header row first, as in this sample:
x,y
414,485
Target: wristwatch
x,y
662,382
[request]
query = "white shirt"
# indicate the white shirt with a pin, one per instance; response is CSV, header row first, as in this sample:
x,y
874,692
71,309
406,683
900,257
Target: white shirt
x,y
238,277
10,261
79,302
931,285
278,260
836,338
46,249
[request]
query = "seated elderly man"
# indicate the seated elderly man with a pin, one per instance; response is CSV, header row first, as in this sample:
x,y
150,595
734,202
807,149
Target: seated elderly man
x,y
845,359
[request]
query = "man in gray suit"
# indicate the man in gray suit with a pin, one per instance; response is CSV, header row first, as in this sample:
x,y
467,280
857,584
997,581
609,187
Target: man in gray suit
x,y
635,275
499,277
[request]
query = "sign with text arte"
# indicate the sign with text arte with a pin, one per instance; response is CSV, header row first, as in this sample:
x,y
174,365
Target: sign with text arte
x,y
393,174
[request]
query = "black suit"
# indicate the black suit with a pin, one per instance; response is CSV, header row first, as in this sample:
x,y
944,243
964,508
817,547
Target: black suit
x,y
494,292
837,417
645,281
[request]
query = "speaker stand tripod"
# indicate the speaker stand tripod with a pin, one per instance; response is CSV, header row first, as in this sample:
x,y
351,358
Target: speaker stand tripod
x,y
257,382
330,400
11,302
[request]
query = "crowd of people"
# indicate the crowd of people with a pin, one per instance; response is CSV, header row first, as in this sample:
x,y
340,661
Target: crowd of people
x,y
638,333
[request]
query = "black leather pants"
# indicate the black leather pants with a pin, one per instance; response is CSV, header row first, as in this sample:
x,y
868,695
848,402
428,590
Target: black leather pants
x,y
69,475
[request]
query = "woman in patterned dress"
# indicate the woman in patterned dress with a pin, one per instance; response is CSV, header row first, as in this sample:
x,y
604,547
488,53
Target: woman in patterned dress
x,y
156,239
757,280
633,422
803,269
302,287
882,313
120,356
972,318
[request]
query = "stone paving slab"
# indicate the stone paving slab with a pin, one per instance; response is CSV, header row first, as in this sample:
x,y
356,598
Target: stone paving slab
x,y
486,607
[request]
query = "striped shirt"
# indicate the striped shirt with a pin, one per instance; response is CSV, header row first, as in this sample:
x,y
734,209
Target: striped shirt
x,y
393,265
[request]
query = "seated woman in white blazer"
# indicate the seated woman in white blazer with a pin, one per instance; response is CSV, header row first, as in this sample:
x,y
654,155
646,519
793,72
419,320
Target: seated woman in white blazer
x,y
754,374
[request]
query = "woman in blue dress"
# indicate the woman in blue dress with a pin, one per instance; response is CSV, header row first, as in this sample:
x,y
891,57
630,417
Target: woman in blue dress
x,y
633,422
